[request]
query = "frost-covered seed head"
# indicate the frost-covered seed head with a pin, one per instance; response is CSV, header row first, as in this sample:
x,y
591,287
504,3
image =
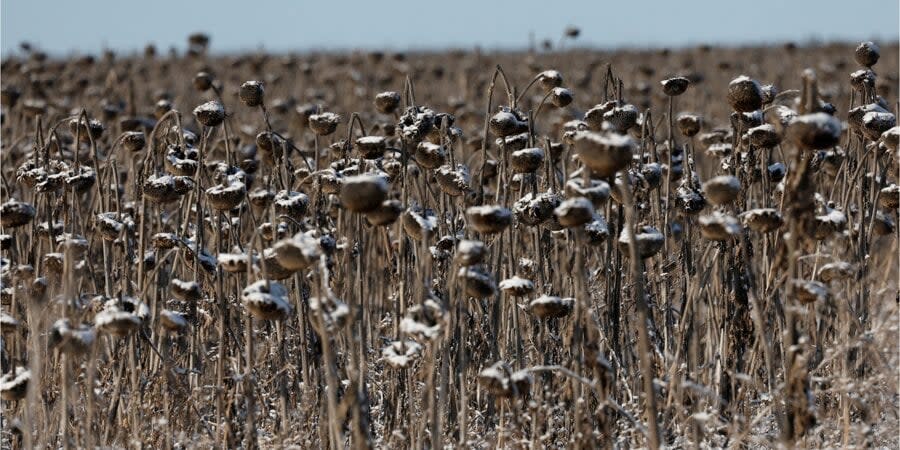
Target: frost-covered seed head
x,y
210,114
745,94
867,54
675,86
252,93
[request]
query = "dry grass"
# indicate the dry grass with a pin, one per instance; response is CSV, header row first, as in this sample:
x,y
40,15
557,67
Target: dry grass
x,y
350,257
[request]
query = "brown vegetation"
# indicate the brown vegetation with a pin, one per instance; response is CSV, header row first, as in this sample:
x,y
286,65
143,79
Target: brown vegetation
x,y
691,248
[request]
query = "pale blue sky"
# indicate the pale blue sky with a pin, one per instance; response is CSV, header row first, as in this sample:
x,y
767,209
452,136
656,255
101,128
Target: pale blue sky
x,y
87,26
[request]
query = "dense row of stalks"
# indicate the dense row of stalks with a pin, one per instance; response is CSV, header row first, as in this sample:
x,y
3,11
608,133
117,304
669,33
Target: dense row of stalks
x,y
574,249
